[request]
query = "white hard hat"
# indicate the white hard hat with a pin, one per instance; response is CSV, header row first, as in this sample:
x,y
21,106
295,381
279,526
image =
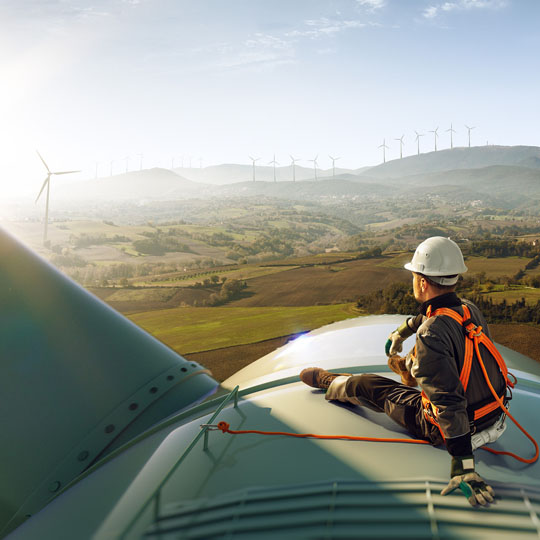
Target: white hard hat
x,y
437,257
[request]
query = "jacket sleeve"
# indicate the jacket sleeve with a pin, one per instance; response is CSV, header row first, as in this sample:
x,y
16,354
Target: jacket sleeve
x,y
435,369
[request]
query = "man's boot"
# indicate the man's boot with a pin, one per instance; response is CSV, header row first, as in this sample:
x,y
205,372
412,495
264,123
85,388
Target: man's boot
x,y
319,378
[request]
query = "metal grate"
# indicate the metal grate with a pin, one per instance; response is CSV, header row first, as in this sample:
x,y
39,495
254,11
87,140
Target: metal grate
x,y
351,509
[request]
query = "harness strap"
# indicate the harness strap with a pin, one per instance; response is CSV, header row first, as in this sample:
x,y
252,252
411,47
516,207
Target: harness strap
x,y
475,337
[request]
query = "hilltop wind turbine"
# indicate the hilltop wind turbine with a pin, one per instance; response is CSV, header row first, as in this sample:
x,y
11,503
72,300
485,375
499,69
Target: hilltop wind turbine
x,y
384,147
469,129
293,161
418,135
140,162
127,163
112,161
435,135
452,131
253,162
315,165
274,163
47,183
401,143
200,162
334,159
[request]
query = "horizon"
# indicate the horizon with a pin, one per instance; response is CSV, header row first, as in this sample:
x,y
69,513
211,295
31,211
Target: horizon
x,y
92,83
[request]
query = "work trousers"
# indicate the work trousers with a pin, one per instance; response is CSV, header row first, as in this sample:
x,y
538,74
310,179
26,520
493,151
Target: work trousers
x,y
401,403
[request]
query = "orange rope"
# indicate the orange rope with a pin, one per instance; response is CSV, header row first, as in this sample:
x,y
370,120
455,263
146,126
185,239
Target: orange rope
x,y
224,427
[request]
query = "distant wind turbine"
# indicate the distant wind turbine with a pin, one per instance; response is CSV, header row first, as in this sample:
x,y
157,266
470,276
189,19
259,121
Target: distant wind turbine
x,y
96,175
140,162
127,163
334,159
274,163
253,163
470,129
384,147
112,161
418,135
314,161
172,163
452,131
47,183
200,162
435,135
401,143
293,161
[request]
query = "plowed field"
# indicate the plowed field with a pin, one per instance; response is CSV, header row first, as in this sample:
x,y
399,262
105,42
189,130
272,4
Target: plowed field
x,y
307,286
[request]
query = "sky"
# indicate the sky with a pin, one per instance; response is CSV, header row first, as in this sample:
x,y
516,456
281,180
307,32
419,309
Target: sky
x,y
109,85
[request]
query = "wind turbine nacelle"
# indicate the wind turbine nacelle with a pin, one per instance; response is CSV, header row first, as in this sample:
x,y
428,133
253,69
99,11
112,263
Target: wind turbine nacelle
x,y
77,381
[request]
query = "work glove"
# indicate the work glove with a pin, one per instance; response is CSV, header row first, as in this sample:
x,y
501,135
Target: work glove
x,y
469,482
397,364
394,343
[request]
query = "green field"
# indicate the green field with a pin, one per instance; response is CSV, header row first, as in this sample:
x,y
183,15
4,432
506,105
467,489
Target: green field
x,y
188,330
531,295
496,267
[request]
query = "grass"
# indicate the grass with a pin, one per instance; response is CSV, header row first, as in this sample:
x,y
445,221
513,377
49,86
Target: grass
x,y
512,295
496,267
189,330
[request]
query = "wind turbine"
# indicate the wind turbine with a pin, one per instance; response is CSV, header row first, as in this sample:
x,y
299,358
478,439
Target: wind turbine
x,y
314,161
112,161
334,159
401,143
140,162
96,175
47,183
172,163
200,162
418,135
470,129
127,163
452,131
384,147
435,135
293,161
253,163
274,163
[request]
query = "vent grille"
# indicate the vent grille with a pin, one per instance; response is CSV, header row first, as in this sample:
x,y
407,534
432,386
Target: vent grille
x,y
349,509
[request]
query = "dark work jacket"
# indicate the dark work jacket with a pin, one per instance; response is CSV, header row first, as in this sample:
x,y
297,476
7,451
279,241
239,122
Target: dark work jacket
x,y
440,351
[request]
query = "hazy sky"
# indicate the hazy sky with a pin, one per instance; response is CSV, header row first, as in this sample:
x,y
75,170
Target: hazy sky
x,y
93,81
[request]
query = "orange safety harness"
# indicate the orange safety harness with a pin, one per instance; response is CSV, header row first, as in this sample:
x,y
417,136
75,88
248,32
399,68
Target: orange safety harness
x,y
475,337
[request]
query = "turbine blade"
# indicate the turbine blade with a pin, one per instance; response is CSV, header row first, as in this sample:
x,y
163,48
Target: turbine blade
x,y
65,172
42,188
43,161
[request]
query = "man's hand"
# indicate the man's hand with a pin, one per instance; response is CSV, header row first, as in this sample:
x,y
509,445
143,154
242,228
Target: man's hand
x,y
469,482
397,365
394,344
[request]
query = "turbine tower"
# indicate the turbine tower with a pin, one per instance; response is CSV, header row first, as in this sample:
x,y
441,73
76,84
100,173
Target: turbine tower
x,y
127,163
435,135
47,183
469,129
293,161
314,161
401,143
384,147
253,162
418,135
200,162
452,131
274,163
112,161
334,159
140,162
